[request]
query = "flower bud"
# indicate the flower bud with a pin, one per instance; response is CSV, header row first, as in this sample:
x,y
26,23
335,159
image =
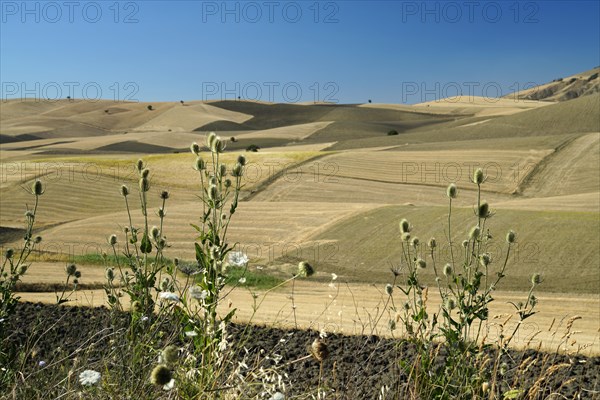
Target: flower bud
x,y
161,213
448,270
485,259
237,170
164,194
389,289
227,182
432,243
452,191
195,148
241,160
478,176
144,184
536,279
22,269
474,232
484,210
465,243
450,303
77,274
200,164
155,232
124,190
71,269
112,240
420,263
415,241
139,165
213,192
222,170
404,226
145,173
511,237
9,253
305,269
210,140
109,273
37,188
405,237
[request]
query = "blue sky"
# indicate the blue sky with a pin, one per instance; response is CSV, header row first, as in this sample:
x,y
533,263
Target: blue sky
x,y
288,51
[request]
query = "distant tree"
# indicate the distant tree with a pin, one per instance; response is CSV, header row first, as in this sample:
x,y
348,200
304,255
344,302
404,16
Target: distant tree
x,y
393,132
181,101
150,108
253,148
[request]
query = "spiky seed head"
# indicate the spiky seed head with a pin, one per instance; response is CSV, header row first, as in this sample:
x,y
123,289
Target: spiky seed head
x,y
389,289
37,188
484,210
238,170
144,185
305,269
124,190
478,176
22,269
164,194
319,350
511,236
404,226
155,232
195,148
450,303
109,274
161,212
170,354
485,259
474,232
536,279
136,306
533,300
139,165
176,261
241,160
145,173
448,270
222,170
227,183
465,243
77,274
112,240
210,140
9,253
213,180
161,375
219,145
29,215
71,269
200,164
420,263
415,241
432,243
37,239
452,191
213,192
405,236
164,284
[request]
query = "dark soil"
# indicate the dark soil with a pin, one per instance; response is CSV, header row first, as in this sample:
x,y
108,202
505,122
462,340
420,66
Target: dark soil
x,y
357,366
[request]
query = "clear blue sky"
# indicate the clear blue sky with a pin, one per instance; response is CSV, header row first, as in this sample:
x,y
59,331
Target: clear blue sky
x,y
349,51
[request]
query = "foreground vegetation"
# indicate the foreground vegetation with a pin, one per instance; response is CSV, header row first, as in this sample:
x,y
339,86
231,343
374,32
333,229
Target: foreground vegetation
x,y
167,340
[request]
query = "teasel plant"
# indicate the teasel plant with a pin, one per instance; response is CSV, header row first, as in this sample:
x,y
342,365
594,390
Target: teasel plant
x,y
465,286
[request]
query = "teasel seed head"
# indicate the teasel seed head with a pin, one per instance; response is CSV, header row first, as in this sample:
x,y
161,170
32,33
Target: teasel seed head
x,y
389,289
219,145
222,170
511,237
37,188
415,242
112,240
305,269
124,190
448,270
195,148
474,232
136,306
176,261
161,213
432,243
465,243
139,165
170,354
210,140
22,269
420,263
145,173
452,191
478,176
319,350
227,183
71,269
200,164
9,253
164,194
155,232
77,274
161,375
213,192
485,259
404,226
109,274
144,184
484,210
536,279
241,160
164,284
405,237
238,170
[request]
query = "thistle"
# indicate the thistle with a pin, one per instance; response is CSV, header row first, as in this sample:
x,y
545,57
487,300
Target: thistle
x,y
305,269
124,190
478,177
37,188
511,237
404,226
474,232
452,191
195,148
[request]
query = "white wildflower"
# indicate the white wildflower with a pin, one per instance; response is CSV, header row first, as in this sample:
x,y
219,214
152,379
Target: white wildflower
x,y
242,280
89,377
196,292
168,296
238,259
333,276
